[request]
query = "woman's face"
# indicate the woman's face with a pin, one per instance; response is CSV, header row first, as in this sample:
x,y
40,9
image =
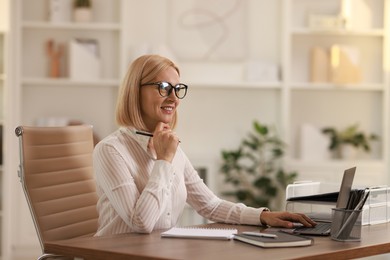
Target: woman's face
x,y
154,107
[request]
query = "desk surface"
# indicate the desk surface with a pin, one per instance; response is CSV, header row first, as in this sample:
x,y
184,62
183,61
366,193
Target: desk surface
x,y
375,240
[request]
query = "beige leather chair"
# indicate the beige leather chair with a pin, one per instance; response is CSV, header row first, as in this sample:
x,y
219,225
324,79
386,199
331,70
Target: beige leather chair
x,y
58,181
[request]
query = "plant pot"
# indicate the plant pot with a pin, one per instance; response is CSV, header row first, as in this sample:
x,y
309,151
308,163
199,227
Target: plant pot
x,y
82,14
348,152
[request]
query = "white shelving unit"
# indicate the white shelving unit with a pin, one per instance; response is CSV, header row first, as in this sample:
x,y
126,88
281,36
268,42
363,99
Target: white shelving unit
x,y
37,95
35,30
327,104
2,73
221,104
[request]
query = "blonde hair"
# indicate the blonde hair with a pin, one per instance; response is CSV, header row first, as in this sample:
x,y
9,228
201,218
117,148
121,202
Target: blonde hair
x,y
144,69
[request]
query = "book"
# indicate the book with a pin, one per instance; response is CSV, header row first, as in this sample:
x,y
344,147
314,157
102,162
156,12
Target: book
x,y
282,239
203,233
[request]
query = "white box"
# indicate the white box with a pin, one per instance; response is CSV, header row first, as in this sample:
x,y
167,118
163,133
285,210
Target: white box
x,y
84,62
313,144
60,11
325,22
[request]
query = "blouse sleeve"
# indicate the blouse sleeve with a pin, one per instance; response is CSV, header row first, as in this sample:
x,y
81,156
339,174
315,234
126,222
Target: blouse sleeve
x,y
140,211
208,205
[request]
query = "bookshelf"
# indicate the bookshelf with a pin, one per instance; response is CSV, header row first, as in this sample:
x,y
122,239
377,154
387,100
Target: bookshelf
x,y
338,104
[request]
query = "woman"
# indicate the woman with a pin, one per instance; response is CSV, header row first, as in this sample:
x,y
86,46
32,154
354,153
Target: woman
x,y
143,182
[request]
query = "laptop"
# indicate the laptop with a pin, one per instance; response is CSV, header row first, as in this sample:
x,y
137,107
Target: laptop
x,y
323,228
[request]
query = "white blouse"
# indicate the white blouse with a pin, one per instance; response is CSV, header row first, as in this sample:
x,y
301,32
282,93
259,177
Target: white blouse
x,y
138,193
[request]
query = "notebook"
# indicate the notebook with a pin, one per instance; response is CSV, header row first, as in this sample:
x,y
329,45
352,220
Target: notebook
x,y
202,233
323,229
282,239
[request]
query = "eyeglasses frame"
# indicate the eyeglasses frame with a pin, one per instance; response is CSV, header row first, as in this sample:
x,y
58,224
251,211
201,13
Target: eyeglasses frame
x,y
176,88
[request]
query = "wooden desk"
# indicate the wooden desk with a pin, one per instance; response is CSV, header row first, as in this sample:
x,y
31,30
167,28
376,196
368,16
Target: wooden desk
x,y
375,240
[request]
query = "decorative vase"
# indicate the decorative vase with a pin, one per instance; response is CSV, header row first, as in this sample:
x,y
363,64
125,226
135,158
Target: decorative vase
x,y
348,152
82,14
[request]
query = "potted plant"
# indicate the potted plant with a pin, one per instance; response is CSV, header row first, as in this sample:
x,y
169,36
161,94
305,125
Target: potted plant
x,y
346,142
82,10
254,169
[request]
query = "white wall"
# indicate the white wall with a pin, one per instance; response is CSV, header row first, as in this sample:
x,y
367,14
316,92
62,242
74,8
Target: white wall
x,y
213,119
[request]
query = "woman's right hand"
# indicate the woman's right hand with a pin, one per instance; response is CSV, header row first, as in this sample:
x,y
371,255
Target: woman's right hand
x,y
165,142
285,219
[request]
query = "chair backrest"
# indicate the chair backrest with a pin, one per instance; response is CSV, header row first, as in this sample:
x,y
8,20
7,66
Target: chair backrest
x,y
58,180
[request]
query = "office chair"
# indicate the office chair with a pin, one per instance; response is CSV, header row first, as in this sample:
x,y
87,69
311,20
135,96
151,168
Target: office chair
x,y
58,181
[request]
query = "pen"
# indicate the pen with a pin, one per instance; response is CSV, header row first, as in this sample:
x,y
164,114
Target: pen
x,y
259,234
146,134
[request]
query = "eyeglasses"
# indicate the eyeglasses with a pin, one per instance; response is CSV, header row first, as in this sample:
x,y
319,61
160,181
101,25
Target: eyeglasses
x,y
165,88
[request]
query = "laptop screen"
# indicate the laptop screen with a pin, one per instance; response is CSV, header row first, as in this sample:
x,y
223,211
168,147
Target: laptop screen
x,y
345,188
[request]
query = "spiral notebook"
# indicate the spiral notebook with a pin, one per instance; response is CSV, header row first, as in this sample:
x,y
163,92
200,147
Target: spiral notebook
x,y
202,233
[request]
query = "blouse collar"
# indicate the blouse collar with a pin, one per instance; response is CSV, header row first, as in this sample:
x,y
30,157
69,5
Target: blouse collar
x,y
142,140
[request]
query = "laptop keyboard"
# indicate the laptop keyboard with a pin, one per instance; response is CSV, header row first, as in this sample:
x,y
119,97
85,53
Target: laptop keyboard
x,y
319,229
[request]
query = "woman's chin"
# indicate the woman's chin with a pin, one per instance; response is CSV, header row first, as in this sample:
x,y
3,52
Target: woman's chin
x,y
167,119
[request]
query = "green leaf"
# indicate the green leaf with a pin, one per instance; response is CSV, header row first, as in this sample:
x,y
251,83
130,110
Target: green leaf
x,y
243,195
271,191
262,182
261,129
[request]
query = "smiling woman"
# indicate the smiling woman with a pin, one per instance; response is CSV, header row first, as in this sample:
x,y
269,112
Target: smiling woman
x,y
144,178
